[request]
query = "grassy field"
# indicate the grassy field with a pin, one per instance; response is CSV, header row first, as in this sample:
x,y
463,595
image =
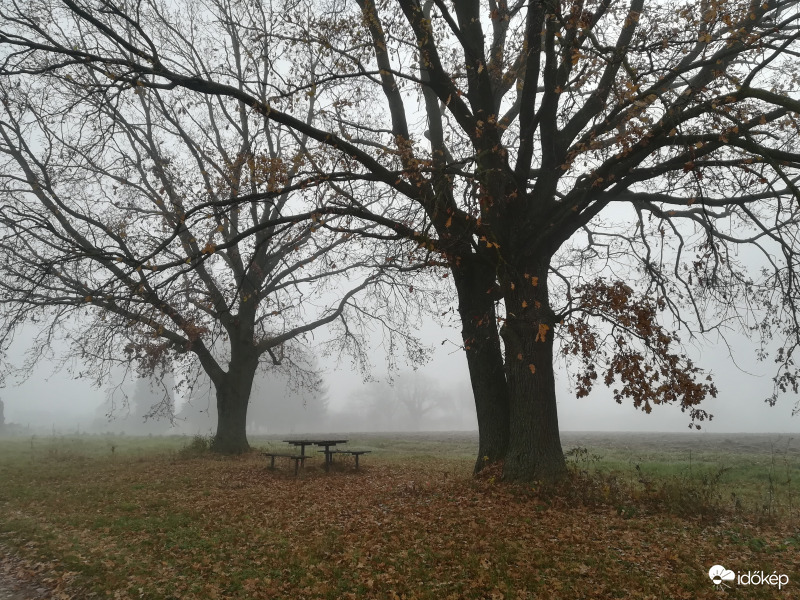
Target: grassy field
x,y
642,516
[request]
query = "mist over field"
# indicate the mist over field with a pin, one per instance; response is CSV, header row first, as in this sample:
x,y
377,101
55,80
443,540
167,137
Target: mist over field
x,y
53,401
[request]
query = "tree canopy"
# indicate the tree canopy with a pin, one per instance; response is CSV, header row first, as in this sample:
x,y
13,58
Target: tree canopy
x,y
599,173
170,232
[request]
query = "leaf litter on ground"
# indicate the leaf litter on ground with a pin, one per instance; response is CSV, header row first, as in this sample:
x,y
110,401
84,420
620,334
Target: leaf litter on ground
x,y
166,527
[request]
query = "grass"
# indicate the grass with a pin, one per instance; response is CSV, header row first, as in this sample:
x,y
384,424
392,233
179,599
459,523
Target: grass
x,y
122,517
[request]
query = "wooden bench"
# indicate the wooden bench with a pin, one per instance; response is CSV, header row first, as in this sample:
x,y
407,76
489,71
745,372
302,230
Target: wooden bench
x,y
299,460
355,453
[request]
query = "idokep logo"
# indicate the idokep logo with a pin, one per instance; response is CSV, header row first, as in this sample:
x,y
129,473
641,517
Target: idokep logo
x,y
719,575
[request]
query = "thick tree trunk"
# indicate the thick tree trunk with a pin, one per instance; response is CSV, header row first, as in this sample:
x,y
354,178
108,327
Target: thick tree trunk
x,y
484,359
233,398
534,448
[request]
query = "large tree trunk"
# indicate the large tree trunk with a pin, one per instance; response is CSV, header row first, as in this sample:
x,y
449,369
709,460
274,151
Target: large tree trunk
x,y
233,398
534,447
484,359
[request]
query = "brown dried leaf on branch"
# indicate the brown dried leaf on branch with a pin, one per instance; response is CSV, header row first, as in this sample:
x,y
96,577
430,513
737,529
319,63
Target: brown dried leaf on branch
x,y
634,349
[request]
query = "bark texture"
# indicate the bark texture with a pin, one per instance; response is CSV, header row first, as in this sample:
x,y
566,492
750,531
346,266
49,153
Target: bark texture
x,y
233,396
484,360
534,448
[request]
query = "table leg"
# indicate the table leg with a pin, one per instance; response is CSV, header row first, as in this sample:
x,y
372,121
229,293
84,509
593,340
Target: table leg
x,y
303,455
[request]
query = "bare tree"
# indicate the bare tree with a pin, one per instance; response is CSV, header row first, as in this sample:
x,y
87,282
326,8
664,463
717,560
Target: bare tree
x,y
166,231
587,169
280,402
148,407
421,396
406,402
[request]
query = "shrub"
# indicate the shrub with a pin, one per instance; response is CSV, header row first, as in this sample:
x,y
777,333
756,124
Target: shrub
x,y
199,446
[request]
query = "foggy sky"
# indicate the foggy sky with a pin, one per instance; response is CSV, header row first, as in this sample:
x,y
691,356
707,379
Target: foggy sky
x,y
56,400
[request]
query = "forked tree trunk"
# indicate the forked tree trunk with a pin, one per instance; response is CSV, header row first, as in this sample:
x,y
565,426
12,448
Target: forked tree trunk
x,y
233,397
484,359
534,447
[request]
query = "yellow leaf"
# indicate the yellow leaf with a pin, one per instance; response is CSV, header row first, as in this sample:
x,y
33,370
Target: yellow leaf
x,y
532,368
449,221
534,281
542,335
524,304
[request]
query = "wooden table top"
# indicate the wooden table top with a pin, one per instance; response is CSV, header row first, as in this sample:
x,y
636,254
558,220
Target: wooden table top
x,y
316,442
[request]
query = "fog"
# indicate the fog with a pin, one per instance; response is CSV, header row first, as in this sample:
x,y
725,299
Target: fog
x,y
55,402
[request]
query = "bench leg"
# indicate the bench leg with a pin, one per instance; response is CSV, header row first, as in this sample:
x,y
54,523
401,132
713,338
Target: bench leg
x,y
356,455
272,462
296,465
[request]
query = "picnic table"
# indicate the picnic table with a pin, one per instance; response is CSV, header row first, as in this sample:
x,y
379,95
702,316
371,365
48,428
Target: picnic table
x,y
327,443
321,442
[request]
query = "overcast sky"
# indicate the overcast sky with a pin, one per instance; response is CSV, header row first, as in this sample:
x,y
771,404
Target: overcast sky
x,y
739,406
56,400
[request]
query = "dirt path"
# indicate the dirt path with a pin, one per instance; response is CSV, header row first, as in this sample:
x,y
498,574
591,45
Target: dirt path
x,y
18,593
15,582
20,590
